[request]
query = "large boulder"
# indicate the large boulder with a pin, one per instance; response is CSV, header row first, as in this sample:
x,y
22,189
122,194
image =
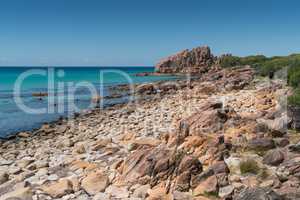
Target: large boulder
x,y
197,60
152,165
148,162
210,118
58,189
278,127
208,186
95,182
274,157
261,144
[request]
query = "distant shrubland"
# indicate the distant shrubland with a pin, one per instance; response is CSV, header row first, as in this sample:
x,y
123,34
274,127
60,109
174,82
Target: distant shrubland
x,y
266,66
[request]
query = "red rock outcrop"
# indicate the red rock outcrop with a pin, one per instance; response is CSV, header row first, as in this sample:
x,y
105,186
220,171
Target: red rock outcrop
x,y
197,60
156,164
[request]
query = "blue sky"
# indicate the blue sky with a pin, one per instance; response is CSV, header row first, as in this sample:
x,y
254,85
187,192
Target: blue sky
x,y
140,32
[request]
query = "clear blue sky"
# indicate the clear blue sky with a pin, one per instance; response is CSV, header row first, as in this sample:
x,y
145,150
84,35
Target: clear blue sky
x,y
140,32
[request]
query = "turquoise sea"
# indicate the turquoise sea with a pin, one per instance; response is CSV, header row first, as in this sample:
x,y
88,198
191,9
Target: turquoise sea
x,y
36,80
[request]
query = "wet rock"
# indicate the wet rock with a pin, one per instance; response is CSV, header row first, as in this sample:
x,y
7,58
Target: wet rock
x,y
39,94
96,99
274,157
61,129
147,88
24,135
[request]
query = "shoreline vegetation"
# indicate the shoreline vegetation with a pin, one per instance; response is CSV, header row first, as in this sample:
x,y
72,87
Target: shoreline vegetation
x,y
229,132
288,66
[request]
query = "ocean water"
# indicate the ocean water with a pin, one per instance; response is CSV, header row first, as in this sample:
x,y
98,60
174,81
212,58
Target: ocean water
x,y
58,83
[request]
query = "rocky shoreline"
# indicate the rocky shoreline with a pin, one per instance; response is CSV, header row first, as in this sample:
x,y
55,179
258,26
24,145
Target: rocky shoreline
x,y
223,136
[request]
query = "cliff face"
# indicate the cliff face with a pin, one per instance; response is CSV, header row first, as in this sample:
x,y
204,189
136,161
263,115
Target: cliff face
x,y
197,60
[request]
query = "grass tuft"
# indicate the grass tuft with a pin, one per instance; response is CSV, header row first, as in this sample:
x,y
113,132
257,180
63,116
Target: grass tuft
x,y
249,166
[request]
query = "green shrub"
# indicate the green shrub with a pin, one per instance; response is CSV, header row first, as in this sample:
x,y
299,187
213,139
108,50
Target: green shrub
x,y
211,195
294,100
249,166
253,60
263,64
229,61
294,75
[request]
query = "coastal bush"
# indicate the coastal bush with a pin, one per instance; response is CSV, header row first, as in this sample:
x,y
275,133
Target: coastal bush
x,y
265,66
294,76
294,100
229,61
232,61
254,60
